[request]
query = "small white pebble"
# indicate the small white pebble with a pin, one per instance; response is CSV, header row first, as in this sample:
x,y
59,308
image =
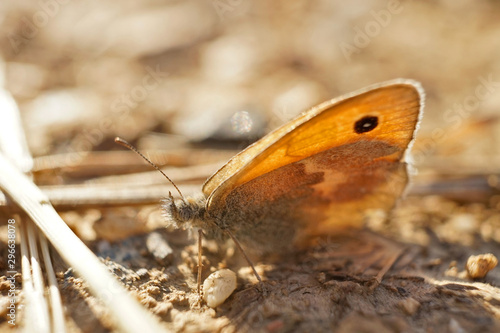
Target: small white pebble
x,y
478,266
218,286
409,305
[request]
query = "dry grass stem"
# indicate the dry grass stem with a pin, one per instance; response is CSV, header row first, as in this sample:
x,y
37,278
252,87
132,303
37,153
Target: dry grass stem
x,y
129,315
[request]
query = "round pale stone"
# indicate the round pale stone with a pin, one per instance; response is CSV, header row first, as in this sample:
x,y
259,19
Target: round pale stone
x,y
218,286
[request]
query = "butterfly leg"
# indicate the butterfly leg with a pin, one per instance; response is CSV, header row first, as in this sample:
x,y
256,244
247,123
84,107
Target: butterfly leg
x,y
200,265
247,258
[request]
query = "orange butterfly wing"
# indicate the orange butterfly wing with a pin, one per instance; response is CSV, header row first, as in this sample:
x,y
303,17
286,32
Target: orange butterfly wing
x,y
320,172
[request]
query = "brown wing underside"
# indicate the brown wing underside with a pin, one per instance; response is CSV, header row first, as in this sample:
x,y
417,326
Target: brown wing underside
x,y
292,204
321,175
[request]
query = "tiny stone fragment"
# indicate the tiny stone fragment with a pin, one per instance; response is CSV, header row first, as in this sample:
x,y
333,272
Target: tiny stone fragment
x,y
455,327
478,266
409,305
142,273
159,248
218,286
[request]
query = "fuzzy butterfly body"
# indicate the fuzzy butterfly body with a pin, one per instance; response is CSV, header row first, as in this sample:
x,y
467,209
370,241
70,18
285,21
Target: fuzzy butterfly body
x,y
318,174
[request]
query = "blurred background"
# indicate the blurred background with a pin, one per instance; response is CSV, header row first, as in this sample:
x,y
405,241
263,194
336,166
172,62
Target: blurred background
x,y
165,73
182,77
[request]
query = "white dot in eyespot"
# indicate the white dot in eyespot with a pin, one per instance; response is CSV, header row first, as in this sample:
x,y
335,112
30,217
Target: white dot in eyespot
x,y
218,286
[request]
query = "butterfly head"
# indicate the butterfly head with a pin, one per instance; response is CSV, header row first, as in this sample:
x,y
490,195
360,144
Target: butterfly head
x,y
184,213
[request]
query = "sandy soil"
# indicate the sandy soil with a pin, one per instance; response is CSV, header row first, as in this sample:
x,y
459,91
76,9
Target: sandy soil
x,y
195,81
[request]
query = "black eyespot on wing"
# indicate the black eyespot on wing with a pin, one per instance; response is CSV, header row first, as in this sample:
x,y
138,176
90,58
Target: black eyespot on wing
x,y
366,124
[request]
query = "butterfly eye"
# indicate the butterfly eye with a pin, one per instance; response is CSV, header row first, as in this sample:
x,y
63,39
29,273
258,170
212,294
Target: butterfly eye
x,y
365,124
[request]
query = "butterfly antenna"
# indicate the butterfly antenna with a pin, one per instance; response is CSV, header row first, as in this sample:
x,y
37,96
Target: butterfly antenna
x,y
129,146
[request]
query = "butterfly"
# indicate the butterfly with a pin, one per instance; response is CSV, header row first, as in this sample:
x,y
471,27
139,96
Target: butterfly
x,y
316,175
